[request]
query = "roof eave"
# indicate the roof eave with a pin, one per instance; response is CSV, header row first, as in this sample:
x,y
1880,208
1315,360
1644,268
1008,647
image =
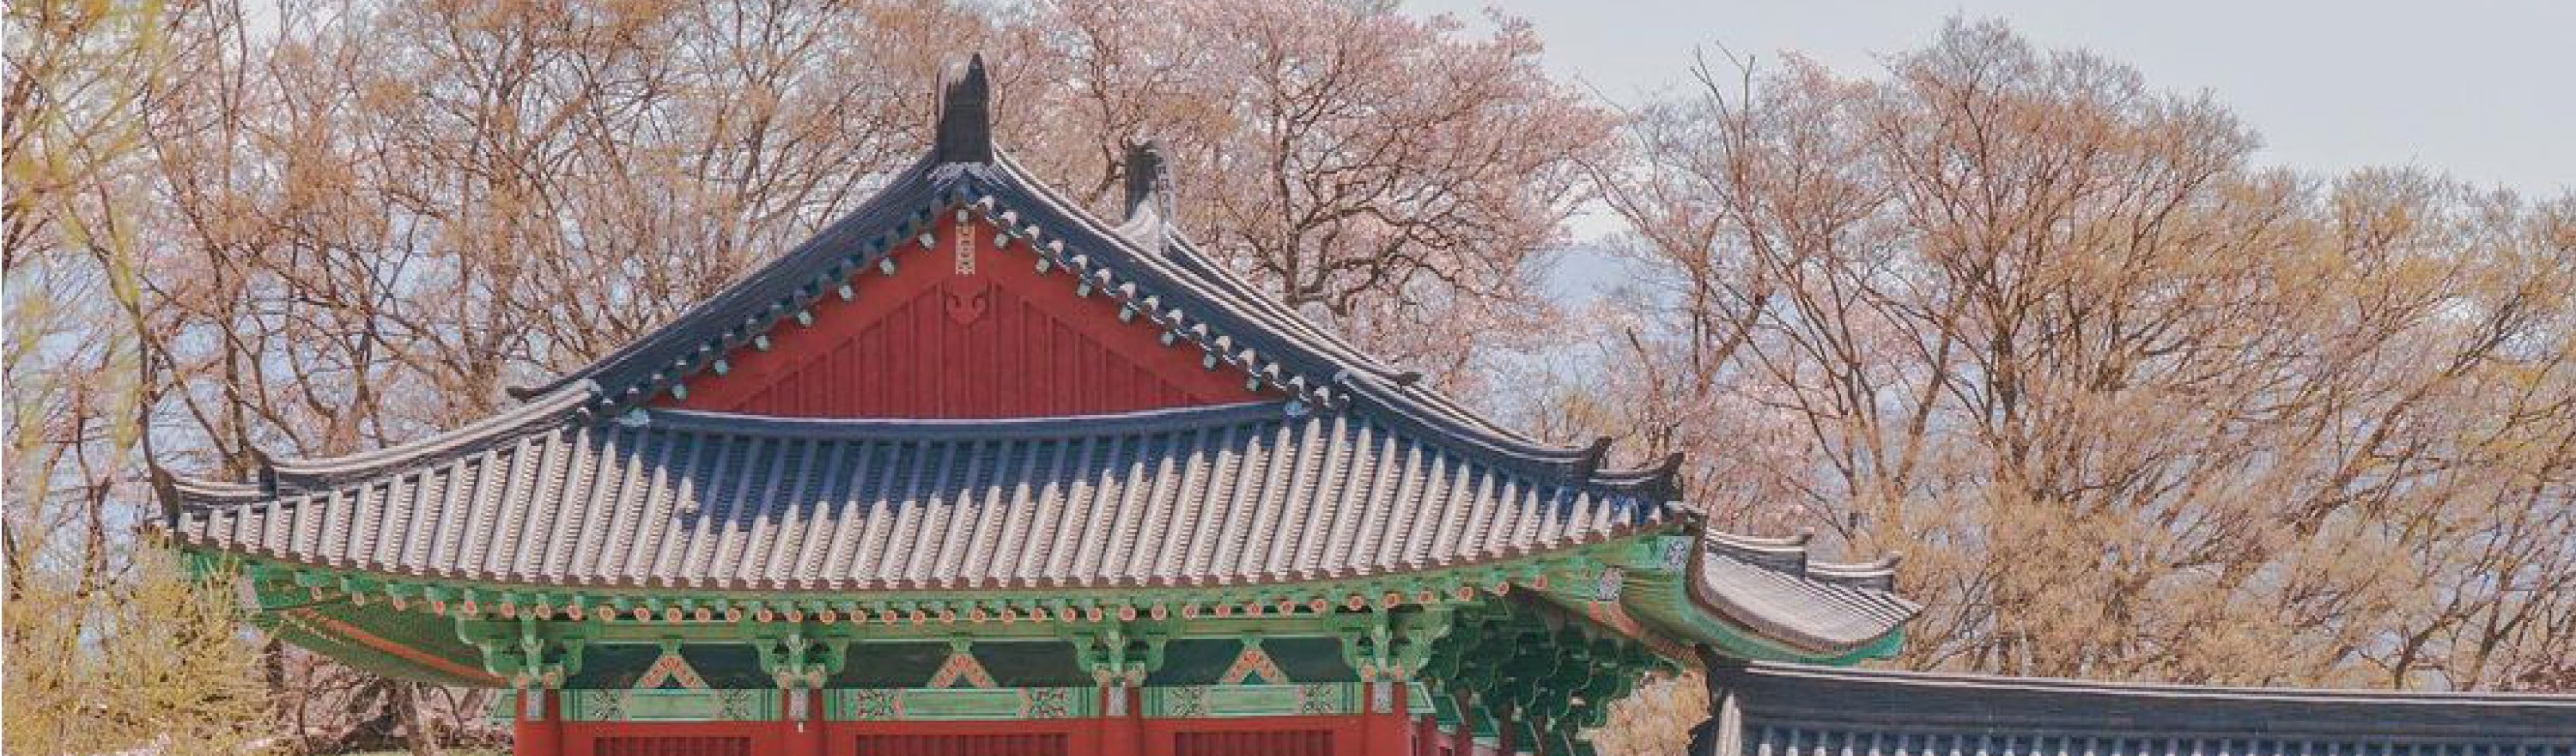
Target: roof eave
x,y
1886,618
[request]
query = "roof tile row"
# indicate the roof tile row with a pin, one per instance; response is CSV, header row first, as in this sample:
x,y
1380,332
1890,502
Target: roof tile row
x,y
1219,496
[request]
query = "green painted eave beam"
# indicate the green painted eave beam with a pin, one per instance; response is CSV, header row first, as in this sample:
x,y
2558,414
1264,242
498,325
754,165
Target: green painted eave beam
x,y
1632,576
944,609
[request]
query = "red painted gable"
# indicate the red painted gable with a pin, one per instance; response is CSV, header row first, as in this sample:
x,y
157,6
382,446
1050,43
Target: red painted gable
x,y
984,335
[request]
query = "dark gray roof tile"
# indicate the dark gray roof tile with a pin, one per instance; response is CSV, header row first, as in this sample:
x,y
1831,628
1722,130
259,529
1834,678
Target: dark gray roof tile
x,y
1791,709
1772,586
1226,495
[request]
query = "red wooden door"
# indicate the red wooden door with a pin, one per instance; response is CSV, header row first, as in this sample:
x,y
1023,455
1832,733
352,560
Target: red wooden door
x,y
671,745
1254,743
963,744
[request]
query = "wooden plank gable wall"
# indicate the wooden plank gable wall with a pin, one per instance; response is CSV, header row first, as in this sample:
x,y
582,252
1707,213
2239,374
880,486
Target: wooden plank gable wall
x,y
967,328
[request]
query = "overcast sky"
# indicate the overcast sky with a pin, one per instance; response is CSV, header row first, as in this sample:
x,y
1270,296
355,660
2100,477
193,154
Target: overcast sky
x,y
2482,89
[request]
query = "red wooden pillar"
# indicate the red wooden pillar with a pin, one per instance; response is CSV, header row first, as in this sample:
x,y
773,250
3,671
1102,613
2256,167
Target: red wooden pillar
x,y
537,727
802,723
1463,743
1426,736
834,736
1122,725
1382,723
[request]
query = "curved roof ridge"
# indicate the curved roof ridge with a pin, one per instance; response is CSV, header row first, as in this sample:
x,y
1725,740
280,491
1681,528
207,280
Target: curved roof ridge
x,y
1795,553
1238,294
1792,543
300,473
1302,358
1355,370
1664,472
737,298
544,409
206,490
1187,256
1431,406
1772,584
1872,570
1886,562
1394,380
1052,427
1145,226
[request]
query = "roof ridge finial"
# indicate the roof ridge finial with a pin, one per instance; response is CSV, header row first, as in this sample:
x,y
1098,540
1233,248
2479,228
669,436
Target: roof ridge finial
x,y
1148,182
966,116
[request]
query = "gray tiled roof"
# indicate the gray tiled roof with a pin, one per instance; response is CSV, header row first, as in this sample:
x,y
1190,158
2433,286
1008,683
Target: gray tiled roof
x,y
1792,710
1367,471
1171,282
1772,586
1208,496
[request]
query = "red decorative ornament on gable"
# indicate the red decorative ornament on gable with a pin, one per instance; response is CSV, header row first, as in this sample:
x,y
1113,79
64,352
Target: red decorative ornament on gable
x,y
963,330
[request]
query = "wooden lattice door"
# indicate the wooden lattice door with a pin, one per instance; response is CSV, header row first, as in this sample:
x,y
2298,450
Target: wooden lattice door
x,y
671,745
1255,743
1002,744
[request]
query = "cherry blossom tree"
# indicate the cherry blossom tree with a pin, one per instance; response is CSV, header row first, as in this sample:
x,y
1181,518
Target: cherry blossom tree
x,y
2132,406
1397,177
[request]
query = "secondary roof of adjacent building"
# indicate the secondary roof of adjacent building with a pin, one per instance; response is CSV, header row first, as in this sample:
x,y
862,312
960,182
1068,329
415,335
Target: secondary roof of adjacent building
x,y
1784,709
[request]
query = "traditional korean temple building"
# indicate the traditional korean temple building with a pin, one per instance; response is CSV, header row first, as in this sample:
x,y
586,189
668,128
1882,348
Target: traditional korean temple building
x,y
975,473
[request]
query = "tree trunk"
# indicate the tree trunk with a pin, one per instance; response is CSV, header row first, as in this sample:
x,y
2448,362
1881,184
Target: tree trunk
x,y
419,732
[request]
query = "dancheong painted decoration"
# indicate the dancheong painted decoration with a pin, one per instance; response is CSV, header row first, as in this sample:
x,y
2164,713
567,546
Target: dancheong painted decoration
x,y
975,473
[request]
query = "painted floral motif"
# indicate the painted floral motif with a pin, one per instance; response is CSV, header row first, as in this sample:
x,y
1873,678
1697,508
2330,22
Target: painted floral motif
x,y
1320,698
1676,553
876,704
961,670
965,245
1046,703
672,670
1608,586
603,705
1186,701
1251,664
741,705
